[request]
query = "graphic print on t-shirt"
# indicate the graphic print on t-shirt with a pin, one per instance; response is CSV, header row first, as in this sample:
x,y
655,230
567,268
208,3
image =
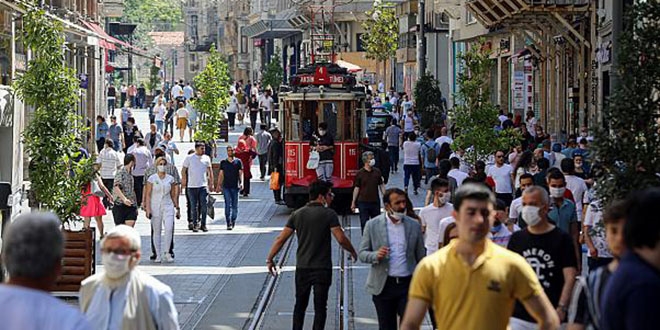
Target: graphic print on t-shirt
x,y
542,264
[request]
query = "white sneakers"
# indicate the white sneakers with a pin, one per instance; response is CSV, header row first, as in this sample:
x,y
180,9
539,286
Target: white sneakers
x,y
167,258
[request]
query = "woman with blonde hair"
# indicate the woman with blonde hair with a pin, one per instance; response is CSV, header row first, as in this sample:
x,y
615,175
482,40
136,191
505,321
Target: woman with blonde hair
x,y
182,120
162,205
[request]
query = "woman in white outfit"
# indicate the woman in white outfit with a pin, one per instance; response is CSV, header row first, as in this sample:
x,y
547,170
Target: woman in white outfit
x,y
162,205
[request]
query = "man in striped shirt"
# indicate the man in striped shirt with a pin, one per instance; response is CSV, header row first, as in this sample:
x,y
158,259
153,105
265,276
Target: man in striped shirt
x,y
109,160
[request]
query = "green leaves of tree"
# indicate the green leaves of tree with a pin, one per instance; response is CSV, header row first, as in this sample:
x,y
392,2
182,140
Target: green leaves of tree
x,y
50,137
151,15
475,116
428,100
629,148
381,37
274,73
213,85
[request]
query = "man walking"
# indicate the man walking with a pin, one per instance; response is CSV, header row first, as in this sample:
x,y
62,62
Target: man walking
x,y
143,160
267,105
561,210
479,280
313,225
392,136
116,134
368,182
432,214
393,244
253,108
229,184
101,132
109,160
263,142
197,177
32,255
430,151
111,96
551,253
502,174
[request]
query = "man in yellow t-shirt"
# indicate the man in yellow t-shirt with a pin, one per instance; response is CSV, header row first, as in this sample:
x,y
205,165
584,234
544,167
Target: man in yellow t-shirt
x,y
473,283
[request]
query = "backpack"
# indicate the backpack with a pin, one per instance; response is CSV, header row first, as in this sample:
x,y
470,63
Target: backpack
x,y
431,154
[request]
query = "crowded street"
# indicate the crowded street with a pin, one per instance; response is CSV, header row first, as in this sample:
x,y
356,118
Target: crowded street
x,y
327,164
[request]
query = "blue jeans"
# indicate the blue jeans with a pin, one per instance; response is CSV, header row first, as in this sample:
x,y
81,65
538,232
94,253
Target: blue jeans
x,y
394,157
198,198
159,126
324,171
415,172
368,210
231,205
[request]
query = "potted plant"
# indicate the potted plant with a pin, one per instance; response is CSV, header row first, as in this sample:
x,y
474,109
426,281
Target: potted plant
x,y
53,140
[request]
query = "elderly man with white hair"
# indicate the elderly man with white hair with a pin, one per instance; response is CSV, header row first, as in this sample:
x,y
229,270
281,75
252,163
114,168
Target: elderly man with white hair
x,y
32,255
122,296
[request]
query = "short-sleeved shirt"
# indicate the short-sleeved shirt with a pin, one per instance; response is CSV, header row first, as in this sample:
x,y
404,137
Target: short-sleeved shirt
x,y
197,166
563,216
325,140
502,177
431,217
230,171
594,219
101,130
392,134
114,131
313,224
480,296
124,181
369,183
548,254
411,153
631,296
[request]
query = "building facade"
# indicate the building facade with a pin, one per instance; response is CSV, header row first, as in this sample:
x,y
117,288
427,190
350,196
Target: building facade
x,y
202,21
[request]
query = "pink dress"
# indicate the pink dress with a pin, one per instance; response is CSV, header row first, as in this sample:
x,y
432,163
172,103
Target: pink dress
x,y
93,206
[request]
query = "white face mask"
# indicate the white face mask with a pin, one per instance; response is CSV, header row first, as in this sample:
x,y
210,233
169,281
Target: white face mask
x,y
161,168
557,192
398,215
531,215
321,132
115,265
372,162
443,198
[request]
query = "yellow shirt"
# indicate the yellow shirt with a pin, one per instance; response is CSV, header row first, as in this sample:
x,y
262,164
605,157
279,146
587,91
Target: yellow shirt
x,y
480,296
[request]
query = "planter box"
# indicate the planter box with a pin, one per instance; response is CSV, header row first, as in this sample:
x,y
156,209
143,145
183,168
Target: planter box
x,y
78,262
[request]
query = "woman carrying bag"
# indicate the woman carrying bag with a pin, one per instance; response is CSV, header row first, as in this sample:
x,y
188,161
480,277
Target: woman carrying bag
x,y
92,206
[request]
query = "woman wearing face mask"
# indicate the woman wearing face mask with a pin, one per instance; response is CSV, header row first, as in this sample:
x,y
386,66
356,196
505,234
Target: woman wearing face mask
x,y
162,205
124,211
92,207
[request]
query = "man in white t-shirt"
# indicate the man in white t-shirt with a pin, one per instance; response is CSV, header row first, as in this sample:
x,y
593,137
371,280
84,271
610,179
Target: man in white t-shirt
x,y
526,180
197,177
32,255
411,162
433,213
502,175
594,237
442,228
576,185
444,138
266,104
455,171
176,92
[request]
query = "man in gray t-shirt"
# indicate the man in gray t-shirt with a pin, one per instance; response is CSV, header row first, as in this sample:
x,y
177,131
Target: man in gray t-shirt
x,y
263,142
313,225
392,137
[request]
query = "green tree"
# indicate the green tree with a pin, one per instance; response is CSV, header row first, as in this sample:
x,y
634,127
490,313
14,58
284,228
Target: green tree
x,y
151,15
213,85
52,135
154,78
381,36
474,114
274,73
629,148
428,100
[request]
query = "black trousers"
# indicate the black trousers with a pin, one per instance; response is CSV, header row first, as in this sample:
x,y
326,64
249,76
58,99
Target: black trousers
x,y
138,185
108,183
263,160
100,143
306,279
232,119
253,119
392,302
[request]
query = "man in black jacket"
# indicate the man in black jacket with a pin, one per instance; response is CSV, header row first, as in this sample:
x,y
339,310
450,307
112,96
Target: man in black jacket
x,y
275,161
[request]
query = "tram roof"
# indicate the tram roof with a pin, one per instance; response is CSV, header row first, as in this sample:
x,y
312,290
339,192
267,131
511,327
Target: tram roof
x,y
314,93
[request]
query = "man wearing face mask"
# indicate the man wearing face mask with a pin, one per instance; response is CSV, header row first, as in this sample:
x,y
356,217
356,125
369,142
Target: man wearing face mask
x,y
325,145
170,170
434,213
551,253
368,182
500,234
123,297
313,224
562,211
393,244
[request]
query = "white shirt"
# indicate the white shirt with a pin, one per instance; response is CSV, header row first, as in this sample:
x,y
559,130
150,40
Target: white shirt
x,y
159,112
502,177
177,91
578,187
502,118
106,308
408,123
182,113
531,126
444,139
197,166
143,160
406,105
267,103
458,175
29,309
443,227
501,237
188,92
160,192
516,208
431,217
594,219
411,151
110,163
233,105
396,234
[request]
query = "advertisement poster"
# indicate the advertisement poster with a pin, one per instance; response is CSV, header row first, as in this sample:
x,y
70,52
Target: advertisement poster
x,y
518,90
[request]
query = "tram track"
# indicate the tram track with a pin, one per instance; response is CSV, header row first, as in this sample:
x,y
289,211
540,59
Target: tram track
x,y
344,301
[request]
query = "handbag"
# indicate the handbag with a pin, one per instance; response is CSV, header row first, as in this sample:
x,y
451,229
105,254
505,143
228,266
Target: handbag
x,y
313,162
96,189
275,180
210,207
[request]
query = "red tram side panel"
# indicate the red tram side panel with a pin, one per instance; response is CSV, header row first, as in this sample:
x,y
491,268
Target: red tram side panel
x,y
345,164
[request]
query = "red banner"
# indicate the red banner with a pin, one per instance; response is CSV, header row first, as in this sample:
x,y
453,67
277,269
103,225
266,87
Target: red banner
x,y
350,160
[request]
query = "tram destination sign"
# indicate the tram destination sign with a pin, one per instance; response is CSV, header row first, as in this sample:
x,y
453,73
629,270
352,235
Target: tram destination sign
x,y
321,76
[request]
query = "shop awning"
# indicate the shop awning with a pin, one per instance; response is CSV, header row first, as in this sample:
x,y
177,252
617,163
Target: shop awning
x,y
352,68
110,43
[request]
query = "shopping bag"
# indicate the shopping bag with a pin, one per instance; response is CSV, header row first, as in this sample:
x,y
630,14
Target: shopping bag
x,y
96,189
275,180
313,162
210,207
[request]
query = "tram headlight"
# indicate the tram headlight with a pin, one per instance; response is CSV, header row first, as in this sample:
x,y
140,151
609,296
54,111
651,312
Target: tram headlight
x,y
321,90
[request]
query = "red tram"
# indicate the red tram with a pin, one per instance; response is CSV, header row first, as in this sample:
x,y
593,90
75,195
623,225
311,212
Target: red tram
x,y
321,93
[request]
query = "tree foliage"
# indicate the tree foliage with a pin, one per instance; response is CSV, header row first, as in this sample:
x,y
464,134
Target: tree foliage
x,y
151,15
213,85
381,36
274,73
52,135
154,78
474,115
428,100
629,149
